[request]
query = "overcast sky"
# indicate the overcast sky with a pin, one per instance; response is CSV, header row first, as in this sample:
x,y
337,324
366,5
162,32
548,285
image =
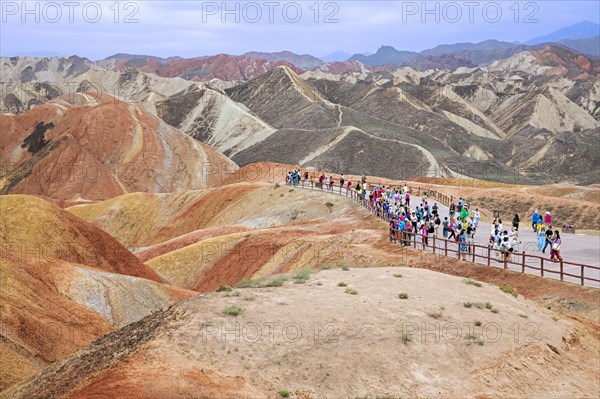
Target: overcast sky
x,y
194,28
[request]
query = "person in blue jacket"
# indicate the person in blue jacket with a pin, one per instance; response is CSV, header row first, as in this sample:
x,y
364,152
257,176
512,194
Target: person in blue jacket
x,y
535,219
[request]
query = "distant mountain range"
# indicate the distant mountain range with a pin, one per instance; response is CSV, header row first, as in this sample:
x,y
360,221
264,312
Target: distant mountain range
x,y
582,30
583,37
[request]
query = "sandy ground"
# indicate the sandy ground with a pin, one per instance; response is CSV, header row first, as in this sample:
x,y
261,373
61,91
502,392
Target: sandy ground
x,y
319,341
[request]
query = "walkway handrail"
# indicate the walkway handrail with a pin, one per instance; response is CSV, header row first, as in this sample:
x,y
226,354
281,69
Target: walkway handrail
x,y
412,239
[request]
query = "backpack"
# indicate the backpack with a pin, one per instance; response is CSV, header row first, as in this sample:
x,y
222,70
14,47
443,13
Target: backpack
x,y
431,229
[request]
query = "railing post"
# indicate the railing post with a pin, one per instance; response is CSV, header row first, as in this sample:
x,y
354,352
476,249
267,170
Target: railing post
x,y
582,276
433,243
562,271
542,267
489,255
505,260
523,264
445,247
473,251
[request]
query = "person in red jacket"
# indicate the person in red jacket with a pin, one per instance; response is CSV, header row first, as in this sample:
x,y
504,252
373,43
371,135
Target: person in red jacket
x,y
548,219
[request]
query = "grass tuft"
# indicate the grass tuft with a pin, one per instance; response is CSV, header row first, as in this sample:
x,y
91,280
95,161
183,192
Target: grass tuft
x,y
435,315
284,393
406,337
223,287
509,290
351,291
480,305
403,295
342,284
397,275
277,281
249,283
472,282
301,276
474,338
233,310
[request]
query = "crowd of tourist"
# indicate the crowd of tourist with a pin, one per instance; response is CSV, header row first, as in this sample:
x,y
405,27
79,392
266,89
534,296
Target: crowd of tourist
x,y
421,220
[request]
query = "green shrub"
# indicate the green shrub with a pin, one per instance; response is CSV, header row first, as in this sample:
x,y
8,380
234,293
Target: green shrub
x,y
403,295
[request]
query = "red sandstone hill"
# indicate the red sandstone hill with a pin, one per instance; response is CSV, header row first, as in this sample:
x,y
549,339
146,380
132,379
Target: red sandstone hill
x,y
35,227
97,147
64,284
